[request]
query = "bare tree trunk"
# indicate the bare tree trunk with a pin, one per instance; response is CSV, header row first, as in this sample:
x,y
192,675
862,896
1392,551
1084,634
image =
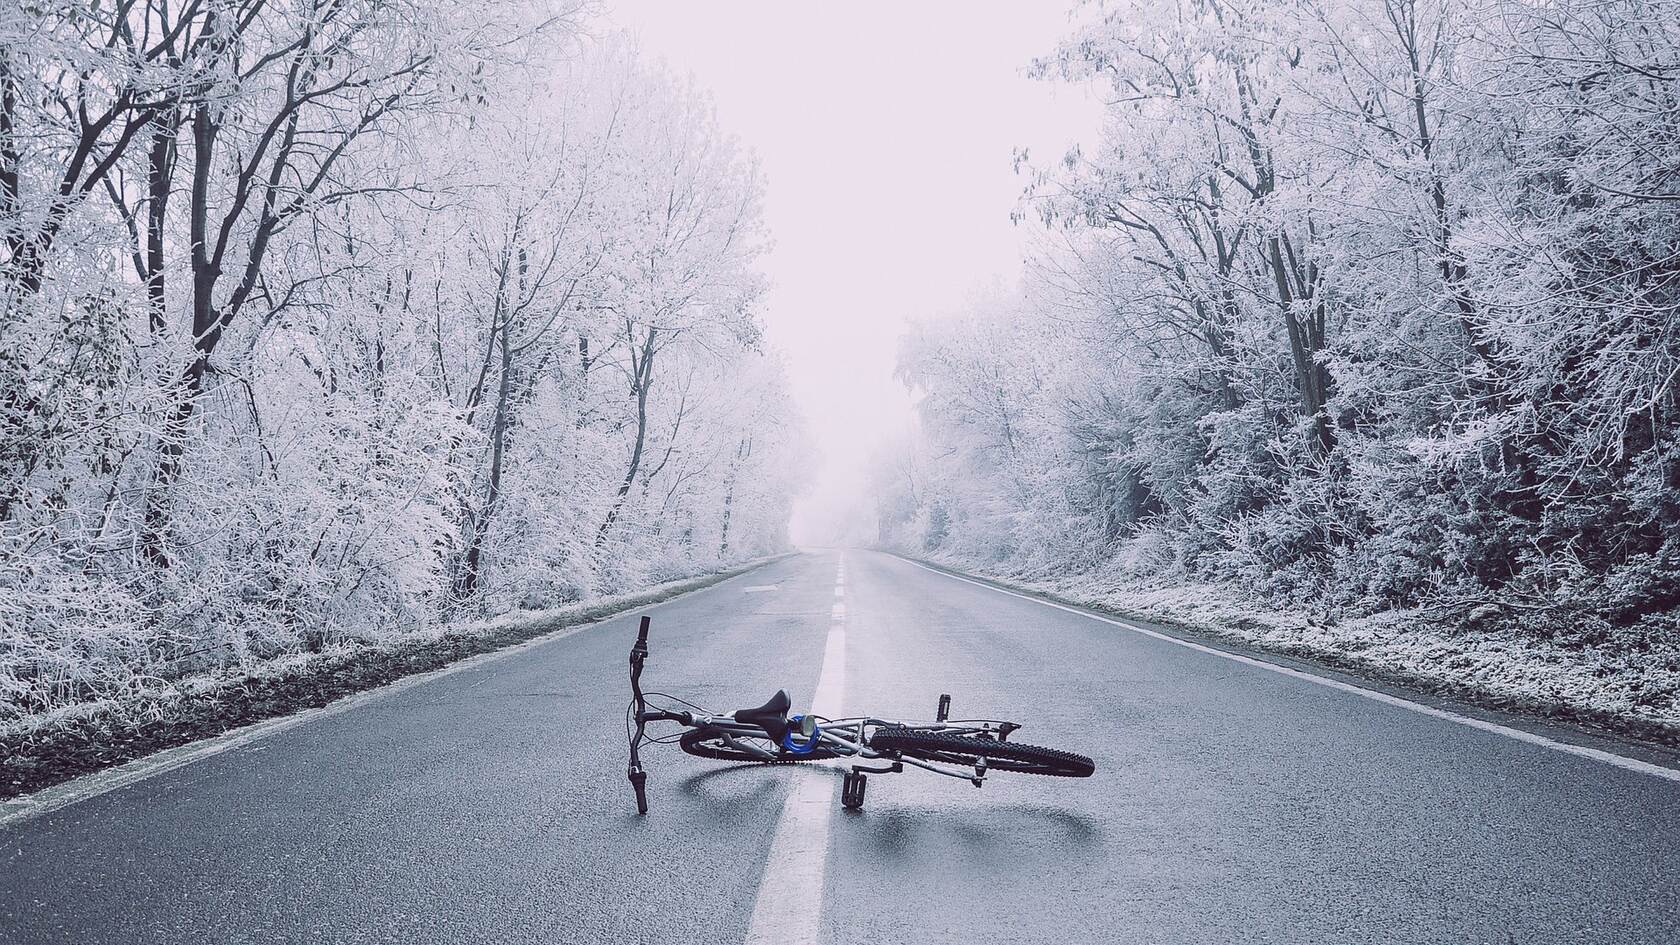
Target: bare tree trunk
x,y
159,173
11,159
467,578
11,156
1455,274
173,446
1296,283
1224,309
1306,340
741,453
641,376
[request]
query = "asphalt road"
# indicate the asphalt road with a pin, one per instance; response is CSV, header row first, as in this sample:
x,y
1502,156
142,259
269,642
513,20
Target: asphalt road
x,y
1231,804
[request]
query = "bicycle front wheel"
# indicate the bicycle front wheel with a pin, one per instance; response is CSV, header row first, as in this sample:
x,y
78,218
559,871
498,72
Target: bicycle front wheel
x,y
711,742
930,745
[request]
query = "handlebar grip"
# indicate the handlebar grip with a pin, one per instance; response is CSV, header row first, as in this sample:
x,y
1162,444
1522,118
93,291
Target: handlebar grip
x,y
641,634
638,780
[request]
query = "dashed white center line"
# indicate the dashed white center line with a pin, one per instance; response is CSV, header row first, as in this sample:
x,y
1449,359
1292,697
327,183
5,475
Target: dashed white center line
x,y
788,910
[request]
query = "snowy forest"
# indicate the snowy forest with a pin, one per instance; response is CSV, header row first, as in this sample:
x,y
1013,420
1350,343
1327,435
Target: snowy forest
x,y
1358,307
331,320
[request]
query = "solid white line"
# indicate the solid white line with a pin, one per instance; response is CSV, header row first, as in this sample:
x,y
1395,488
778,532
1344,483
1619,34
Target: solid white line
x,y
788,909
1516,734
89,786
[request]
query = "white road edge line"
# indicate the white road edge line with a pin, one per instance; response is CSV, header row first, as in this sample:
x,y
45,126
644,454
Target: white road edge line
x,y
88,786
1516,734
788,908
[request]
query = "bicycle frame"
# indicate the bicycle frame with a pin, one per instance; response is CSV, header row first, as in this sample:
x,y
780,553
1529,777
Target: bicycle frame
x,y
849,738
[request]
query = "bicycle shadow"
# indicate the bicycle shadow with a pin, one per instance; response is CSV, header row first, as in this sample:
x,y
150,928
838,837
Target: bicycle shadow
x,y
896,831
768,780
896,826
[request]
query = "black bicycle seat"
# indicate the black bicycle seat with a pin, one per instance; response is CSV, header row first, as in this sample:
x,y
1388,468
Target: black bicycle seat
x,y
771,716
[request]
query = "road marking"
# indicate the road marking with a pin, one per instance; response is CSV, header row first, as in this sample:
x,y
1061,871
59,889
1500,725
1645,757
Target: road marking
x,y
839,590
88,786
1516,734
759,588
788,909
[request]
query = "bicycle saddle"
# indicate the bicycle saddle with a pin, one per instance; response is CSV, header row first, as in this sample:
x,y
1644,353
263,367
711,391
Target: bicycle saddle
x,y
771,716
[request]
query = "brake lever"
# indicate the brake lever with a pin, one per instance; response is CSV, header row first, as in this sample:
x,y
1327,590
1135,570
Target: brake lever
x,y
638,781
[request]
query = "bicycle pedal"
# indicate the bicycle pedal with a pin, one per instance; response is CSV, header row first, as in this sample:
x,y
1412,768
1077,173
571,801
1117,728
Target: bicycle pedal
x,y
851,790
944,708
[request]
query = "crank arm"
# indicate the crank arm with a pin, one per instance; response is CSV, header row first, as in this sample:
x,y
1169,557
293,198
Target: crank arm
x,y
893,768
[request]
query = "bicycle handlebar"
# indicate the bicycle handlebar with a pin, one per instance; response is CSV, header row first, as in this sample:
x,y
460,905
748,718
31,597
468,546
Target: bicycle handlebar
x,y
638,708
640,715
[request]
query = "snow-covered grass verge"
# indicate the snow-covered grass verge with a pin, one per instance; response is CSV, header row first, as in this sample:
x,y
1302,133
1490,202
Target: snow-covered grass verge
x,y
1628,691
43,749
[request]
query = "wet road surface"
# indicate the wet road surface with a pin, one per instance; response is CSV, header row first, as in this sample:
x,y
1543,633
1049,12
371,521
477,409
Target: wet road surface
x,y
1230,804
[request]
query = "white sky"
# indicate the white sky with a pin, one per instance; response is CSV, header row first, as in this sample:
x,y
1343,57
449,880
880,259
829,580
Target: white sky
x,y
885,131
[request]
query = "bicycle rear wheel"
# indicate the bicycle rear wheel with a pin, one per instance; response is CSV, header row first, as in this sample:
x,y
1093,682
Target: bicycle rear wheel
x,y
715,743
967,750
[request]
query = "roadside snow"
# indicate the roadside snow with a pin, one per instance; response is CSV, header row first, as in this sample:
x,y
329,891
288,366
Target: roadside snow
x,y
1639,691
152,701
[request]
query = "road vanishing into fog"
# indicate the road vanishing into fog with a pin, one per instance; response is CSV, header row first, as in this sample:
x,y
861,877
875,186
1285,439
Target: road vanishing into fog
x,y
1231,803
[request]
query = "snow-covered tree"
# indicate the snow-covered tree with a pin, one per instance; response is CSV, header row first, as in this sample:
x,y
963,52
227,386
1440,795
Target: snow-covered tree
x,y
327,320
1370,303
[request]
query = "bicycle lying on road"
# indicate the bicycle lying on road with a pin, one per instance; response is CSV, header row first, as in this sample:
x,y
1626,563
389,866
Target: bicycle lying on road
x,y
970,749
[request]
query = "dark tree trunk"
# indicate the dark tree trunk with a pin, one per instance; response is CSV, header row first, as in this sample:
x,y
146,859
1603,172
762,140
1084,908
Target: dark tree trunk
x,y
172,449
642,376
467,578
469,575
159,173
741,453
1306,340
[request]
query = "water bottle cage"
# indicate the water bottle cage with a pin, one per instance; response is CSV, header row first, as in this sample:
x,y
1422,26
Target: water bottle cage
x,y
791,746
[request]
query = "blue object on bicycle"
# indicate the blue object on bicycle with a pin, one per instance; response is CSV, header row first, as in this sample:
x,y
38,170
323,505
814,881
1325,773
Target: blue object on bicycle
x,y
788,744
